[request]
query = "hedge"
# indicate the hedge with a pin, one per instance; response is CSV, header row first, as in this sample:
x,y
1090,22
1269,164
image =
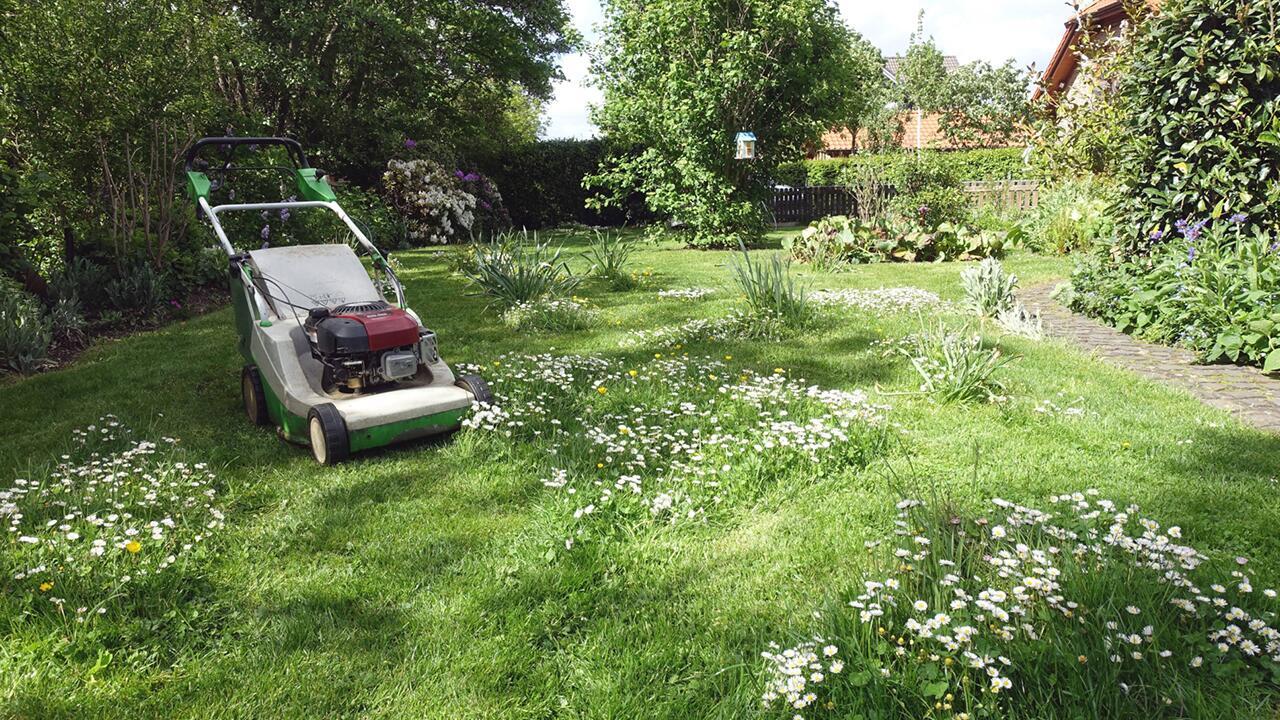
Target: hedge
x,y
982,164
541,184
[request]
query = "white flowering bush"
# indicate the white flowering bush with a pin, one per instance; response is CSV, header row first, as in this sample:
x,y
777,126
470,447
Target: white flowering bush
x,y
671,439
433,202
1088,609
882,300
550,315
100,531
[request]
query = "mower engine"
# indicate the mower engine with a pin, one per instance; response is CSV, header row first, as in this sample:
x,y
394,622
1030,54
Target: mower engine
x,y
365,345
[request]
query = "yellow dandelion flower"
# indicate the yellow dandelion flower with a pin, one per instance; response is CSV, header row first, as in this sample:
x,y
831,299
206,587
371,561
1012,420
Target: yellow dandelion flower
x,y
728,357
599,465
657,356
632,373
133,546
778,371
602,390
1082,659
46,586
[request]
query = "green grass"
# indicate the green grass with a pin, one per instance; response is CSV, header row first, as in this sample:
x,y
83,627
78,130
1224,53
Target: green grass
x,y
415,582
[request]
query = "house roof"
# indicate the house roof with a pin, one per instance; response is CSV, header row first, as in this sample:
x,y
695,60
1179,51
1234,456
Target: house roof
x,y
926,134
1099,14
893,65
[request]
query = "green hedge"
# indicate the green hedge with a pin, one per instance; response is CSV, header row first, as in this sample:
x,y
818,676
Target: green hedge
x,y
541,184
984,164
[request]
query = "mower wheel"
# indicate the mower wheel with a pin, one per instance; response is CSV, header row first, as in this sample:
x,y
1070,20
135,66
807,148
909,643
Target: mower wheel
x,y
255,400
476,385
328,431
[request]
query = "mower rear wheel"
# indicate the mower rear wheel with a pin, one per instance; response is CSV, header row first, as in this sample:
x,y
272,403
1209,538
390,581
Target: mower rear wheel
x,y
255,400
329,441
476,385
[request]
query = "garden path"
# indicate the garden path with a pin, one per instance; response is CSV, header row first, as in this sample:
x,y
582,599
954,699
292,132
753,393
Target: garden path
x,y
1246,392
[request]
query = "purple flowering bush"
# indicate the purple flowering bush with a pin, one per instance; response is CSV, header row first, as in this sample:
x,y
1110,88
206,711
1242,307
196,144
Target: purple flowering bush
x,y
1210,285
490,213
433,202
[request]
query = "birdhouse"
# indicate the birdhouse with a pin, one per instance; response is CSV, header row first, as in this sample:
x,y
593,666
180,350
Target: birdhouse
x,y
746,146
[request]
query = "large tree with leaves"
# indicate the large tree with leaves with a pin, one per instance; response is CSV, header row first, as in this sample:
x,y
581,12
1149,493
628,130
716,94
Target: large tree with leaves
x,y
681,77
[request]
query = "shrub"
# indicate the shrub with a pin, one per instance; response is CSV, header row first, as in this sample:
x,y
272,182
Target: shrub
x,y
138,290
1212,287
490,212
988,289
929,192
1071,215
512,269
25,334
770,289
1088,608
432,201
1199,136
953,365
609,253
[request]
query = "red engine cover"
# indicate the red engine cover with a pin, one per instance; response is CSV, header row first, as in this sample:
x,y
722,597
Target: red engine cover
x,y
389,328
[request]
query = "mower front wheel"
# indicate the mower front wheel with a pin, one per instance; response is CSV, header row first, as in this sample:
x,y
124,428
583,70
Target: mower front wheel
x,y
478,388
255,400
329,441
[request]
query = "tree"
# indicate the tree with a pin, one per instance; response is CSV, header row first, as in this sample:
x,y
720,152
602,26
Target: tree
x,y
681,77
922,75
866,104
987,104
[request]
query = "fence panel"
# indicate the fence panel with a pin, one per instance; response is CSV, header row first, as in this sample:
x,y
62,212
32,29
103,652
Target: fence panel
x,y
1019,194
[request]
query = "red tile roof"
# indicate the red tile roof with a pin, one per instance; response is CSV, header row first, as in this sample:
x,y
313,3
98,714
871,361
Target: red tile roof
x,y
926,134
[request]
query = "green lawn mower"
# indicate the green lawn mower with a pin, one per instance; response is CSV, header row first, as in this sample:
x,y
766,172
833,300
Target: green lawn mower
x,y
330,360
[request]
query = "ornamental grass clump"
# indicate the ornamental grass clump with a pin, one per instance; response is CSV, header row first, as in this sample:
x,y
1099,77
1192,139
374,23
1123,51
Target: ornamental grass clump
x,y
1087,609
770,289
988,289
513,269
625,445
609,254
117,527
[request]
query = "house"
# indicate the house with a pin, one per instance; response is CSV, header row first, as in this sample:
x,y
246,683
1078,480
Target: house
x,y
918,130
1104,17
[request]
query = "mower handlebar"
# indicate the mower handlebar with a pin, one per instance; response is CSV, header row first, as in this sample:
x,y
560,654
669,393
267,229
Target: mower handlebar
x,y
292,146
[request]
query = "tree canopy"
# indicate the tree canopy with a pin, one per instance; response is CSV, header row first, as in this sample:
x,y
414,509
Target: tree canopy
x,y
682,77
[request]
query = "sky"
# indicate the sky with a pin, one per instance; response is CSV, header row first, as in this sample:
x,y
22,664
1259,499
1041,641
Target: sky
x,y
991,30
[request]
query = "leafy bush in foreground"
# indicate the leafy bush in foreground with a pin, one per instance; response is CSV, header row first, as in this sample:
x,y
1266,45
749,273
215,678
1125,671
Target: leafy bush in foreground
x,y
25,333
1088,609
953,365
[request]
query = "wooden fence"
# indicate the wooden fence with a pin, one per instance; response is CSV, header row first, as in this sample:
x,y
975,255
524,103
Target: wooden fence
x,y
806,204
1016,194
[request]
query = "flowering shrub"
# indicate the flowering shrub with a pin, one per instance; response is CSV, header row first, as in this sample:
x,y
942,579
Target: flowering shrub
x,y
1088,609
490,212
691,293
550,315
432,200
100,530
672,439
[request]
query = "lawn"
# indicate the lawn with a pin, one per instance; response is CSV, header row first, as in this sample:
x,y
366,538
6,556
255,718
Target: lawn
x,y
432,580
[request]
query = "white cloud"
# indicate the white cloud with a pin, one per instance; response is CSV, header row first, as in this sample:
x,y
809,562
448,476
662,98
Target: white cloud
x,y
991,30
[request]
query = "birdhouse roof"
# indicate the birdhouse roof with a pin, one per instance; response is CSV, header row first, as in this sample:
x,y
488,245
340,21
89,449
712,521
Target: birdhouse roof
x,y
744,136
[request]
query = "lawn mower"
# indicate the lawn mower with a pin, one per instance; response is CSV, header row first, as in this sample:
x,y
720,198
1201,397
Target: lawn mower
x,y
330,360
